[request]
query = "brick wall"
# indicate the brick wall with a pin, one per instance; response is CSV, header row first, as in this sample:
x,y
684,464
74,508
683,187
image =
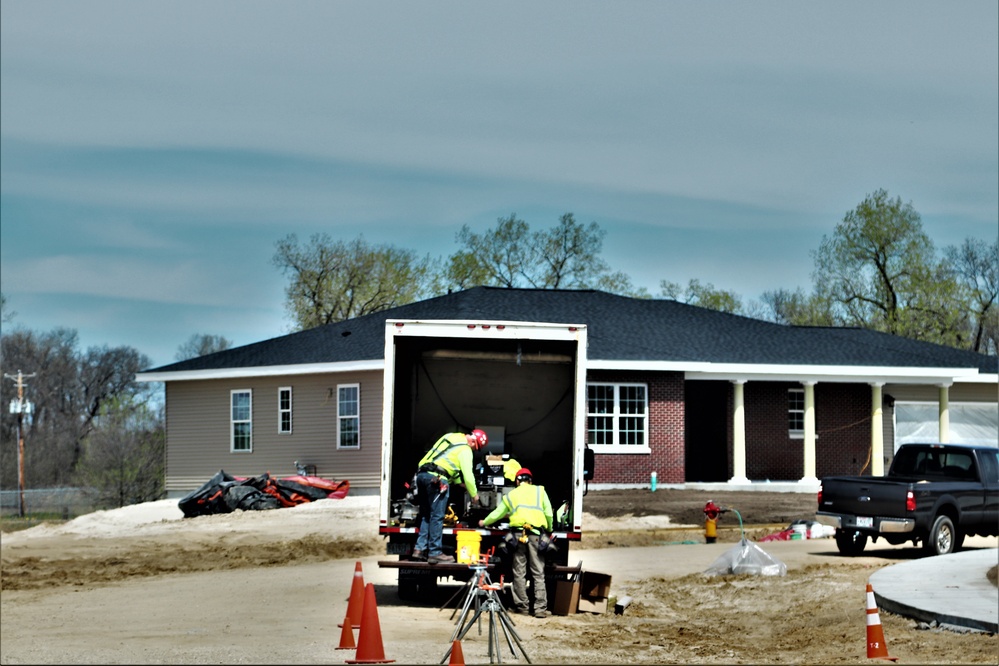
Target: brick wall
x,y
666,433
842,426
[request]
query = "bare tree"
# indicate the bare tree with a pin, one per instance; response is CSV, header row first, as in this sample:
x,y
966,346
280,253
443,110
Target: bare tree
x,y
68,392
976,263
124,456
202,344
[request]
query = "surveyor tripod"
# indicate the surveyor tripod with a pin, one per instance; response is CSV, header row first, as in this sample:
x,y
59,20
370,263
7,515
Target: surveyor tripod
x,y
482,596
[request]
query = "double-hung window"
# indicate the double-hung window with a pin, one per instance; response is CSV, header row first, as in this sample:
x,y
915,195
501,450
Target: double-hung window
x,y
348,411
241,421
284,410
796,412
617,417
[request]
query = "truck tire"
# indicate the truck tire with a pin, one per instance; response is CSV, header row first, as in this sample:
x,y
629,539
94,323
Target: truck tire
x,y
850,543
942,539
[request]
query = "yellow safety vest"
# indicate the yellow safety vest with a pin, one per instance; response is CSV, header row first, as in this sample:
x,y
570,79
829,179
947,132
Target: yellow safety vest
x,y
525,505
443,454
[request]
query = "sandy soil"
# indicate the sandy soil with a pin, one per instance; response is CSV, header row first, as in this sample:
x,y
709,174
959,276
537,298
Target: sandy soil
x,y
144,585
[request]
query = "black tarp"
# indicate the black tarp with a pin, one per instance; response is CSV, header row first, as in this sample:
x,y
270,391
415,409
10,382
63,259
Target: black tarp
x,y
224,493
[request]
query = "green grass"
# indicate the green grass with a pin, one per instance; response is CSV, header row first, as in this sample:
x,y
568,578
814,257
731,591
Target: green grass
x,y
17,523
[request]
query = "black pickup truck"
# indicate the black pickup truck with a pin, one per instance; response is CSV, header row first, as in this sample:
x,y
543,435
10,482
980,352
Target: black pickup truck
x,y
933,493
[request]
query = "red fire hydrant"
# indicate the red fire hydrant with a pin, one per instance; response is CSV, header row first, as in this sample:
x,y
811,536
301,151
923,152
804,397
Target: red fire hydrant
x,y
711,513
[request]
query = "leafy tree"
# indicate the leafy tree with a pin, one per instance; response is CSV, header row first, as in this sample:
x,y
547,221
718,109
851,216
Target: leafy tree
x,y
976,265
878,271
336,280
68,391
702,295
202,344
124,456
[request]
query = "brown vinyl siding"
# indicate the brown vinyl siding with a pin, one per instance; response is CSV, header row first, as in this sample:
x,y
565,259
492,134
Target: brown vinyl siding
x,y
198,430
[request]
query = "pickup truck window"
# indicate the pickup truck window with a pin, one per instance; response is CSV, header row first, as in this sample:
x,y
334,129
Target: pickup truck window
x,y
990,466
934,463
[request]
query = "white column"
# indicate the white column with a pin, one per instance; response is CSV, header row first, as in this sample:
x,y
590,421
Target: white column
x,y
739,434
944,410
809,475
877,432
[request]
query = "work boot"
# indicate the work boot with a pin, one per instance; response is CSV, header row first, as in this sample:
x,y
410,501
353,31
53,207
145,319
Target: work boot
x,y
541,613
418,555
440,559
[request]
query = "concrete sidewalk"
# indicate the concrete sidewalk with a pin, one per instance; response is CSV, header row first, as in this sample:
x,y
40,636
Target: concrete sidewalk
x,y
947,589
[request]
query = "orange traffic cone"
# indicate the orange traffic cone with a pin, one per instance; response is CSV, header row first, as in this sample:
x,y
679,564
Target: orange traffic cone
x,y
346,636
356,597
457,658
369,640
876,646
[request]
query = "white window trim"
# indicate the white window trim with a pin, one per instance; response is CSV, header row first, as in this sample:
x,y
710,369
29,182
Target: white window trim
x,y
233,422
281,411
340,418
791,432
615,415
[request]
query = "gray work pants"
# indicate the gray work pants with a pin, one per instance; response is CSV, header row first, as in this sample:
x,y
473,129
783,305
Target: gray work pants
x,y
524,555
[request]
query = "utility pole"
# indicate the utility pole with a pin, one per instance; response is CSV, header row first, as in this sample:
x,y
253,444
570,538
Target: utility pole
x,y
20,406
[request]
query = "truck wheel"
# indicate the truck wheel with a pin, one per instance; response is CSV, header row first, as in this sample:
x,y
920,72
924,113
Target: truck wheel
x,y
850,543
942,539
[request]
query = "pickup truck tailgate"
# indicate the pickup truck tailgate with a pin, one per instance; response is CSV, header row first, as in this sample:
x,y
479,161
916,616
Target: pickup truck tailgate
x,y
864,498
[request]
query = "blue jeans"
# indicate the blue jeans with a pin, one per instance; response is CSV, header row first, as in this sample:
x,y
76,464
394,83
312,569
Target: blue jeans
x,y
432,493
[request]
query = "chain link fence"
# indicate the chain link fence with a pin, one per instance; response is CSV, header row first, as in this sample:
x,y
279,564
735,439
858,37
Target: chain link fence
x,y
63,502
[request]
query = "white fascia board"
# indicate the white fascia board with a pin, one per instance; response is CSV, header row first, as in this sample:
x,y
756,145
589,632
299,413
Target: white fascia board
x,y
980,379
825,373
262,371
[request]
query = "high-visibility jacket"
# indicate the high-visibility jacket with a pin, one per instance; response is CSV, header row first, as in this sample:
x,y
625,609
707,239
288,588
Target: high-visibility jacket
x,y
451,458
526,504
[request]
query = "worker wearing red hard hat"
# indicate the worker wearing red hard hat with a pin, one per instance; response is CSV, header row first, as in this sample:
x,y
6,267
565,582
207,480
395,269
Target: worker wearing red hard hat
x,y
530,513
448,461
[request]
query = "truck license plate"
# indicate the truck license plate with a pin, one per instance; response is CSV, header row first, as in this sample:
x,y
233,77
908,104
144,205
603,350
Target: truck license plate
x,y
865,521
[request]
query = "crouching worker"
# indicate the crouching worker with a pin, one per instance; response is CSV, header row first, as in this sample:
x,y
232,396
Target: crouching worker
x,y
530,513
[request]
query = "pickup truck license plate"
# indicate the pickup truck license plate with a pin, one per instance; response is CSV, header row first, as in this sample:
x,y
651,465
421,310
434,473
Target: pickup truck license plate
x,y
865,521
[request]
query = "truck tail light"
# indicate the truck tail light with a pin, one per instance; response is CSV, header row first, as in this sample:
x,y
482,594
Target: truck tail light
x,y
820,496
910,501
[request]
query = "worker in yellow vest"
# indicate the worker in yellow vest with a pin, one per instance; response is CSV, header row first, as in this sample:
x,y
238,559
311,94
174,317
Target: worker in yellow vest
x,y
530,513
448,461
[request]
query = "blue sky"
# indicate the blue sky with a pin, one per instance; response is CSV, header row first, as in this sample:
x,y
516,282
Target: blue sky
x,y
153,153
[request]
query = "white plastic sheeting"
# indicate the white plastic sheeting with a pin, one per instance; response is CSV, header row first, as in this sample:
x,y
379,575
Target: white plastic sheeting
x,y
747,558
970,423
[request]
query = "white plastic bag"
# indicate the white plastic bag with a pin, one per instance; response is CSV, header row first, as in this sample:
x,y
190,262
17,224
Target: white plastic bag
x,y
746,558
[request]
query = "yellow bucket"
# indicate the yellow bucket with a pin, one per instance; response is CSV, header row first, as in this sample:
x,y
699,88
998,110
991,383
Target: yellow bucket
x,y
468,546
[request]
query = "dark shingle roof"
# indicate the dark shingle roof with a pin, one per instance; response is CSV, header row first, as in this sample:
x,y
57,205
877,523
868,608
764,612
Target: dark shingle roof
x,y
619,329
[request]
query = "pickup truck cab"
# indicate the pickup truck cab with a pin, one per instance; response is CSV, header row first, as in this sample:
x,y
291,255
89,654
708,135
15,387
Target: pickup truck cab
x,y
933,494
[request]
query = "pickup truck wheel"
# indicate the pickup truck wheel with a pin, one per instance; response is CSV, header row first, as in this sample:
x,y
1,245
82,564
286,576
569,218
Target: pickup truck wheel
x,y
850,543
942,539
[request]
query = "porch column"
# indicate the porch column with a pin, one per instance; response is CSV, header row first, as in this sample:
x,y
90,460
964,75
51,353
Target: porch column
x,y
944,410
739,434
809,476
877,432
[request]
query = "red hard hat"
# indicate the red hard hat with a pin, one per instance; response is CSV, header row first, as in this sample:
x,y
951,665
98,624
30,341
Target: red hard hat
x,y
523,471
480,437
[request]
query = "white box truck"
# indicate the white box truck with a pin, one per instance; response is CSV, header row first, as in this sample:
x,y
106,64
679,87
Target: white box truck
x,y
524,383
